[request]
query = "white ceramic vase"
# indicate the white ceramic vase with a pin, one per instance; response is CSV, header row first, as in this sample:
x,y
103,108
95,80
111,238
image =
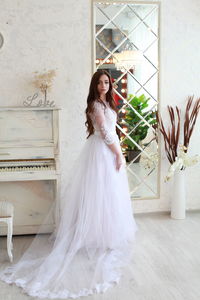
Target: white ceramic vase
x,y
178,197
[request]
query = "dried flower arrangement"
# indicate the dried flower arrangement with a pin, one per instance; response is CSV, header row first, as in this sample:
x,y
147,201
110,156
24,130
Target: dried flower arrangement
x,y
179,159
44,82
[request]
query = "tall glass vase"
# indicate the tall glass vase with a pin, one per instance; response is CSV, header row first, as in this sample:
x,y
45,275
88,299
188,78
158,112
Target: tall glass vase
x,y
178,196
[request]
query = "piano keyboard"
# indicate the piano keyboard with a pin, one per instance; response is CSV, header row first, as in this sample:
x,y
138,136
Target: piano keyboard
x,y
26,168
21,166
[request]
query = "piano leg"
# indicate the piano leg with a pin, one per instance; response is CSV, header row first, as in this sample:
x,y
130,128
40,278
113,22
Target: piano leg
x,y
9,238
57,202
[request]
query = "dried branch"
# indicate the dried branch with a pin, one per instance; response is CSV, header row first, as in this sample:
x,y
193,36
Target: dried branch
x,y
171,136
190,119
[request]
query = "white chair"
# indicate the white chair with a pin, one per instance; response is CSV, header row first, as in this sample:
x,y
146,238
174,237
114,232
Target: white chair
x,y
6,215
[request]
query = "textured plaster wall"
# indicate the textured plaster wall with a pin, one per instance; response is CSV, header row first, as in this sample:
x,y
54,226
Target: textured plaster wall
x,y
49,34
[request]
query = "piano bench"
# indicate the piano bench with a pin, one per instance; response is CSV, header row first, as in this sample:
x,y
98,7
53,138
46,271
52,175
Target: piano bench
x,y
6,216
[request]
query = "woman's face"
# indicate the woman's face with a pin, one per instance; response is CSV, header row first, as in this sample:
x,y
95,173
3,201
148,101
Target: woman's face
x,y
103,84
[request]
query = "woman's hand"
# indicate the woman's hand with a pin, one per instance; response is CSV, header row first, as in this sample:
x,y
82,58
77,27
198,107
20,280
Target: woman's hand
x,y
119,161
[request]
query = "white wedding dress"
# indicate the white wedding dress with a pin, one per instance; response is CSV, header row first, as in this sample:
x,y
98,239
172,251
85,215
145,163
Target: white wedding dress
x,y
96,233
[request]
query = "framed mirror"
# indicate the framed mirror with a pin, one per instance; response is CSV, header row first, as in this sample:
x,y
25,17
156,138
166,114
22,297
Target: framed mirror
x,y
126,44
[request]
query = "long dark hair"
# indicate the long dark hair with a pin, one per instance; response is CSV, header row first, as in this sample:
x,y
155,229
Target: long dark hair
x,y
94,95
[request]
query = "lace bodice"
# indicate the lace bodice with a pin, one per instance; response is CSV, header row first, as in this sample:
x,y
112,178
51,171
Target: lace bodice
x,y
104,122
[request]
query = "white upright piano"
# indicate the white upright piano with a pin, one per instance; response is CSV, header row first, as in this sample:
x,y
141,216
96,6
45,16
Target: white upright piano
x,y
29,165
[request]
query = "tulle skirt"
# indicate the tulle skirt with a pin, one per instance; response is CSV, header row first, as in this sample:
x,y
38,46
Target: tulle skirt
x,y
94,239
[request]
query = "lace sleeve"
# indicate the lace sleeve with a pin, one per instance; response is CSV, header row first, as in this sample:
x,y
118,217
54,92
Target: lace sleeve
x,y
99,118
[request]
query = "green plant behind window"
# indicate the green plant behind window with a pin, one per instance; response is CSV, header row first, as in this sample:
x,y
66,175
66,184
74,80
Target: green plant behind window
x,y
140,104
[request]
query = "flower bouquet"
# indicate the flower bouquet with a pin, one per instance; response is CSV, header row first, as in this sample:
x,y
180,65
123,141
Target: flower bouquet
x,y
177,153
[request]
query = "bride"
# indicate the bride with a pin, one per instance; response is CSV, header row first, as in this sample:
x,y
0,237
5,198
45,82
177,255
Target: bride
x,y
96,232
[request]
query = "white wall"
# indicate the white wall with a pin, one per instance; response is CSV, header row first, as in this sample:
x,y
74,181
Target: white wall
x,y
57,35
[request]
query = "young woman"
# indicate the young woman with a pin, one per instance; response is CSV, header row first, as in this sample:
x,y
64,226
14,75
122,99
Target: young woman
x,y
96,232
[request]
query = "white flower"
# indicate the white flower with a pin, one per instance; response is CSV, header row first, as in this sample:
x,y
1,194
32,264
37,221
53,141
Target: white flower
x,y
149,162
181,162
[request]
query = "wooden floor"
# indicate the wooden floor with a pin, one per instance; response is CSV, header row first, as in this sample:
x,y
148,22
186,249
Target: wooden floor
x,y
165,265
